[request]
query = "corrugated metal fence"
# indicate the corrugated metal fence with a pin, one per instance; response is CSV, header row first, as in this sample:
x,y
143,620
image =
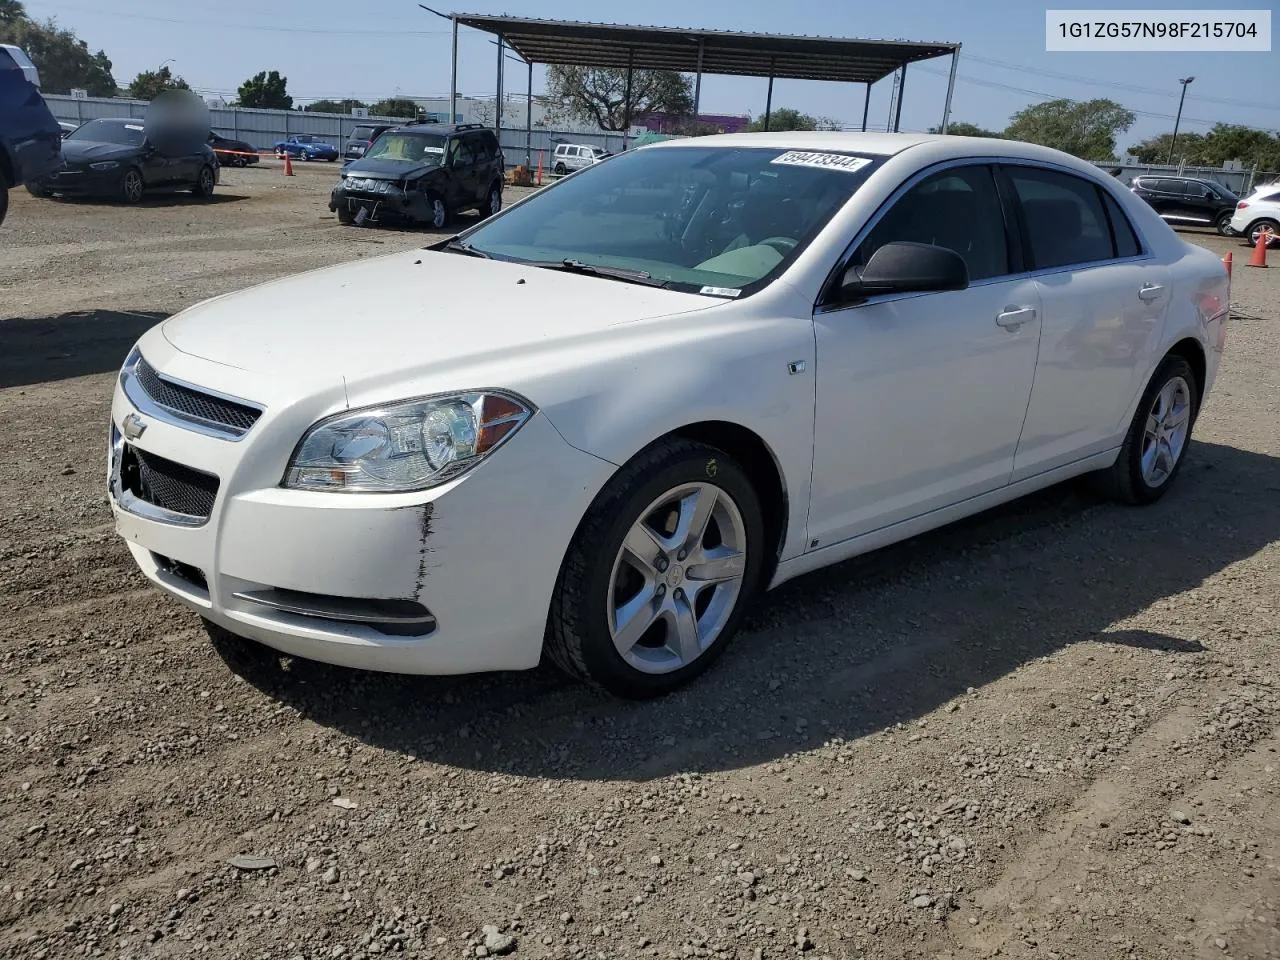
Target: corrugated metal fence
x,y
264,128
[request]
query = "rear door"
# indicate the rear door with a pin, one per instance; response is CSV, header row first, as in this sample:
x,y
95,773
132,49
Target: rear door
x,y
462,173
1103,300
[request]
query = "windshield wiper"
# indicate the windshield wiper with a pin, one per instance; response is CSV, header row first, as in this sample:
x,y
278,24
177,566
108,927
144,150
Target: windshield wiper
x,y
461,246
612,273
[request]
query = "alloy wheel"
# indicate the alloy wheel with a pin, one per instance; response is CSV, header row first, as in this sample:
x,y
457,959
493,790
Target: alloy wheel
x,y
677,578
1165,436
133,186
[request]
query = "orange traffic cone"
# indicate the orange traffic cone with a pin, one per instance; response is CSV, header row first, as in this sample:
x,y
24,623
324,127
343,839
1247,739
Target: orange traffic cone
x,y
1226,262
288,164
1259,258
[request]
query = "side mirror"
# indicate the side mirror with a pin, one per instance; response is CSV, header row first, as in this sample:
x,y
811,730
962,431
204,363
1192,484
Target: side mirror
x,y
905,267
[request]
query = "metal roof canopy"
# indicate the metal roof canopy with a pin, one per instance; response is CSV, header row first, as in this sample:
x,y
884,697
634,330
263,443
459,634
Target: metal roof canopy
x,y
726,52
704,51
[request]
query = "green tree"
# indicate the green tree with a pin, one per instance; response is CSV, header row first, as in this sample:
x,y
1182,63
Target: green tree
x,y
394,107
958,128
785,118
599,94
64,60
149,84
1224,142
1087,130
333,106
266,90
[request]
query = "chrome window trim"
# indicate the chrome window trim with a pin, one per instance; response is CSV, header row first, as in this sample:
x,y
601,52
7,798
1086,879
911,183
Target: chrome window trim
x,y
824,308
144,403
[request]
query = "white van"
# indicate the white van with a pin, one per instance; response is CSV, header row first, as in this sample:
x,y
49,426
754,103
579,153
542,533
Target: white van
x,y
575,156
24,63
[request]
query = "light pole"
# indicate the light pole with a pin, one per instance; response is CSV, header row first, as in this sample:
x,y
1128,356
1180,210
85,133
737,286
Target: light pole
x,y
160,69
1174,142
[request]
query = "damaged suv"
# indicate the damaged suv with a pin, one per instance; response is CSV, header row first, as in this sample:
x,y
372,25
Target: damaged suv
x,y
422,175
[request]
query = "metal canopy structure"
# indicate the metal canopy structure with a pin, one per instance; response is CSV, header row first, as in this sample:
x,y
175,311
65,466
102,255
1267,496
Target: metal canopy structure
x,y
704,51
619,46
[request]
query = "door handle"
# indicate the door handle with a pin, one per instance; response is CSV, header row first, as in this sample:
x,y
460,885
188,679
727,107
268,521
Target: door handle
x,y
1150,291
1014,316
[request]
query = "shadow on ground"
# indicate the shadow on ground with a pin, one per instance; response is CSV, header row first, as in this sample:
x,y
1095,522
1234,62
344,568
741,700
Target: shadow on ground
x,y
45,349
843,652
154,200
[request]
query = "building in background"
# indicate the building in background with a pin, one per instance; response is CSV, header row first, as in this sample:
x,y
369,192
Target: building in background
x,y
670,123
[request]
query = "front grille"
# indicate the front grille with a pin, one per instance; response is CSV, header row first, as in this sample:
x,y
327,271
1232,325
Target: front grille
x,y
166,484
195,404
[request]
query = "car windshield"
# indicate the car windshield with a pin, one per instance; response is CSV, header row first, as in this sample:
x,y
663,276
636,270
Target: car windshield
x,y
418,147
304,138
107,131
688,217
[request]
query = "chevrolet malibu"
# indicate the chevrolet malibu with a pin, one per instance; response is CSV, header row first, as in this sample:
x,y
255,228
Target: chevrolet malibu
x,y
698,369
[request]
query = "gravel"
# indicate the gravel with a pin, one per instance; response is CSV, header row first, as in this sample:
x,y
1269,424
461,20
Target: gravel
x,y
1051,730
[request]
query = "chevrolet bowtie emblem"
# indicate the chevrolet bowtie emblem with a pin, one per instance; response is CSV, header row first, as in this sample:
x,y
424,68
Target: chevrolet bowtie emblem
x,y
134,426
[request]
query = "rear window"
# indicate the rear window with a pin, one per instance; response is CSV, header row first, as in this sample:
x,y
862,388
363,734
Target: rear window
x,y
365,133
1065,219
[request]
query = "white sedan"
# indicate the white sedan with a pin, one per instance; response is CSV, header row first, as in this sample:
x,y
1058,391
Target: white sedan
x,y
594,426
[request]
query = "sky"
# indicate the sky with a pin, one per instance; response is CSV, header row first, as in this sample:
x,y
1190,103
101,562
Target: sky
x,y
376,48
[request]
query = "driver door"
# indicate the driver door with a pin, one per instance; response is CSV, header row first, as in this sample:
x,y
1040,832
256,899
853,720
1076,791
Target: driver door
x,y
921,397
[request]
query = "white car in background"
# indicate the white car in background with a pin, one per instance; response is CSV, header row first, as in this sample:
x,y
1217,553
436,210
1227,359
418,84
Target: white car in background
x,y
698,369
574,156
1257,212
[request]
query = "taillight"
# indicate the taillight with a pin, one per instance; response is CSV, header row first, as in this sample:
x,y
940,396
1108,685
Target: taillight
x,y
1241,205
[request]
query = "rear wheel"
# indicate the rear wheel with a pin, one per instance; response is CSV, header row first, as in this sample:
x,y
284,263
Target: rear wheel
x,y
440,213
204,183
131,187
1258,228
494,201
1223,224
559,170
38,191
1158,437
655,582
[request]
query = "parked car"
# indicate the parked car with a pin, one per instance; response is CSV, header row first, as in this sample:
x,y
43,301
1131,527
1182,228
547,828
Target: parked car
x,y
30,137
112,158
67,127
1257,212
659,412
231,152
362,138
304,146
575,156
422,173
1189,200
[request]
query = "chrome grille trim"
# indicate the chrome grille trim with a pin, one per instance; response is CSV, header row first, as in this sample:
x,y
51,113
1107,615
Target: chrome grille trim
x,y
186,405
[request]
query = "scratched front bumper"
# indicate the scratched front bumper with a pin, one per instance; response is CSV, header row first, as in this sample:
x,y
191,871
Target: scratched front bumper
x,y
480,553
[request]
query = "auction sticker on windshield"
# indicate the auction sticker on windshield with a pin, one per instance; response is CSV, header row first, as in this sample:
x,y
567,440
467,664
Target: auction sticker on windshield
x,y
827,161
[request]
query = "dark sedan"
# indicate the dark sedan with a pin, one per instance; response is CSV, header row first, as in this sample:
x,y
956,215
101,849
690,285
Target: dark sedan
x,y
112,158
232,153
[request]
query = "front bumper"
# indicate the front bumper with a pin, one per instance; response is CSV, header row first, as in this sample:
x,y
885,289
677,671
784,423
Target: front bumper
x,y
84,183
397,205
481,554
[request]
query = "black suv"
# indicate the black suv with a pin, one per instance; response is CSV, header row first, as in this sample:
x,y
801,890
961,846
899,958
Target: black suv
x,y
1189,201
422,173
362,138
30,138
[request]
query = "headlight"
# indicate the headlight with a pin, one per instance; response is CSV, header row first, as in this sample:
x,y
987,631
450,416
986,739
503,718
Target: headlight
x,y
104,165
404,446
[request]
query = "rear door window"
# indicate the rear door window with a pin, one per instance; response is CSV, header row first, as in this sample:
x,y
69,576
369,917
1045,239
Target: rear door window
x,y
1065,220
1126,238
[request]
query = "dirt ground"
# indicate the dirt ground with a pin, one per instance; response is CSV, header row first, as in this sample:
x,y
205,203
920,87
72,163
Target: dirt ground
x,y
1051,731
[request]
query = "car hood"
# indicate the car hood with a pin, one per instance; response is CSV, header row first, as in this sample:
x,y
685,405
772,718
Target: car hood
x,y
383,168
90,151
419,312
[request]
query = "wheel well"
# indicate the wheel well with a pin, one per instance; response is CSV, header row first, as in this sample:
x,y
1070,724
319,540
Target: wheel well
x,y
758,461
1191,351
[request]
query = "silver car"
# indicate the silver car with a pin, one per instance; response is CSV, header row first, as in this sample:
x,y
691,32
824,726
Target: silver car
x,y
575,156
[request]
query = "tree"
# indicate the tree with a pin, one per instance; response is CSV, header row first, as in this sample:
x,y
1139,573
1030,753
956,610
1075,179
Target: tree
x,y
958,128
599,94
334,106
149,84
266,90
1224,142
64,60
1086,129
785,118
394,107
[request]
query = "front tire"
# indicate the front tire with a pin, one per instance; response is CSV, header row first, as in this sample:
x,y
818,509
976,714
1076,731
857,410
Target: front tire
x,y
440,212
1156,444
131,187
493,203
655,582
4,202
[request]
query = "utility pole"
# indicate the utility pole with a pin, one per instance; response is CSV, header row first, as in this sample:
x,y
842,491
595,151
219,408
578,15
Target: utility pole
x,y
1174,142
